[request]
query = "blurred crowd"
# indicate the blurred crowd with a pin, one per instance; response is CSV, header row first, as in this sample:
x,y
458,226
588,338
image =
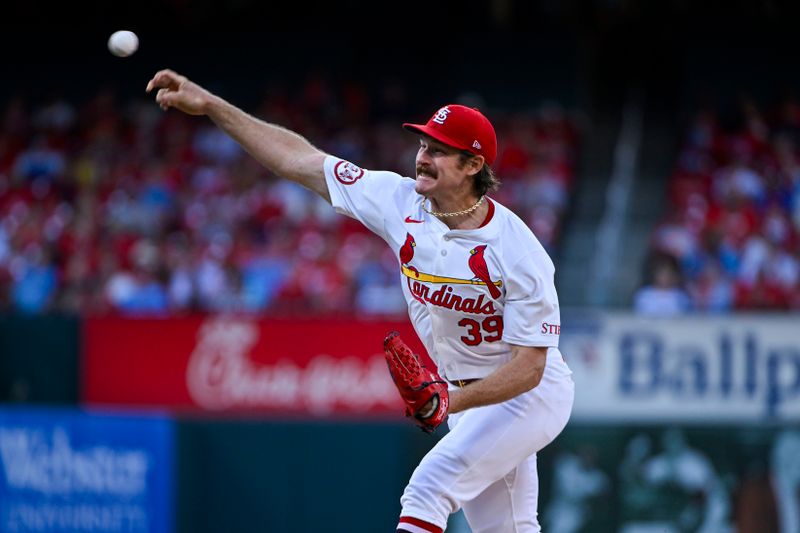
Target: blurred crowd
x,y
113,206
731,240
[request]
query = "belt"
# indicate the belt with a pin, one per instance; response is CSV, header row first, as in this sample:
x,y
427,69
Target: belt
x,y
461,383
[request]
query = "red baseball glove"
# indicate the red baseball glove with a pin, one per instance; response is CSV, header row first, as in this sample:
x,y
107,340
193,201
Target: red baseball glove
x,y
417,384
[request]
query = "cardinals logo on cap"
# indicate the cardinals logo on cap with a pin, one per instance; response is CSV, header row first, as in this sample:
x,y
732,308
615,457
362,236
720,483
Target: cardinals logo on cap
x,y
461,127
441,115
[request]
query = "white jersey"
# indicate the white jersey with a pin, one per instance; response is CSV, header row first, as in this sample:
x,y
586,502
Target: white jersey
x,y
470,293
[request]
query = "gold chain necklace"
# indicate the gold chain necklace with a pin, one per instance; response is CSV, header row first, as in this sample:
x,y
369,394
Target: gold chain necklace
x,y
454,213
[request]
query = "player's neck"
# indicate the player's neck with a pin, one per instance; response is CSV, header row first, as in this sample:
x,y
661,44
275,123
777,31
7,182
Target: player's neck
x,y
471,220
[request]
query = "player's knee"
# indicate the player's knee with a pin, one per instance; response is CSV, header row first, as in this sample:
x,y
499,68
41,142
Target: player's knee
x,y
422,498
433,492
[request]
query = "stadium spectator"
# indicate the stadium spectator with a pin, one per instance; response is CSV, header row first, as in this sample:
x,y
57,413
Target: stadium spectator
x,y
733,223
112,207
663,295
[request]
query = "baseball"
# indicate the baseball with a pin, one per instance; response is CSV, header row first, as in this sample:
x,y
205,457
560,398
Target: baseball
x,y
123,43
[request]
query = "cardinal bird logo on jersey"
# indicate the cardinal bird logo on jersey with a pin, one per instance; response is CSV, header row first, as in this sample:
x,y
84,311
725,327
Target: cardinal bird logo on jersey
x,y
437,289
407,253
477,263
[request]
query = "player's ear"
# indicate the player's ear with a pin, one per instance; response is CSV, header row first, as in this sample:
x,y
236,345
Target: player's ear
x,y
475,164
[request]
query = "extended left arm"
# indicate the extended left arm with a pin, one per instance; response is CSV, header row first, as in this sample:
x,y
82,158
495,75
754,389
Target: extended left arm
x,y
522,373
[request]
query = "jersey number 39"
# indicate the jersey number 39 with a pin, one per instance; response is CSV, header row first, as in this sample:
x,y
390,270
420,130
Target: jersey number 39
x,y
489,330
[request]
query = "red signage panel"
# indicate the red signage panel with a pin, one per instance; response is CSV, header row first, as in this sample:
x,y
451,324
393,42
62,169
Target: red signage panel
x,y
226,364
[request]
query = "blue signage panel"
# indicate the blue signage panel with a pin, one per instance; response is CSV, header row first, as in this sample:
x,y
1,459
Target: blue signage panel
x,y
73,471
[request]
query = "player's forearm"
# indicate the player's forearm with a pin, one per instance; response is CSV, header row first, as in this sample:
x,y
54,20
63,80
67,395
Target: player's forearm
x,y
282,151
521,374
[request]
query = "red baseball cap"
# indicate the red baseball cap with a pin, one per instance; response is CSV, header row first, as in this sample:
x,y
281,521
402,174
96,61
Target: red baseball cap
x,y
461,127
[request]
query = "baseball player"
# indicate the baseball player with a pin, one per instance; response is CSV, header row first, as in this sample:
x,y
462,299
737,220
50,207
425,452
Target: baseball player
x,y
480,295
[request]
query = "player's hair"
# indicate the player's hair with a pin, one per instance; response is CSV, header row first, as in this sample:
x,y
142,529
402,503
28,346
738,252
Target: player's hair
x,y
485,180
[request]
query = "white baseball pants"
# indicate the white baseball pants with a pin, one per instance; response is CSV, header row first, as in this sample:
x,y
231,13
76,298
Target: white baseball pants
x,y
486,464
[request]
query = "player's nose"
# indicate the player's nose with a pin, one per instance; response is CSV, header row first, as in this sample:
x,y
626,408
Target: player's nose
x,y
423,156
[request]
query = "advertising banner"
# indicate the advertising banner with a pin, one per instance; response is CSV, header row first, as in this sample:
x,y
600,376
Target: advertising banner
x,y
225,364
75,472
720,369
732,369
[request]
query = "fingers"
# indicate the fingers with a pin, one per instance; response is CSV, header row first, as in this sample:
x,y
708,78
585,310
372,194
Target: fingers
x,y
167,82
163,98
165,79
162,78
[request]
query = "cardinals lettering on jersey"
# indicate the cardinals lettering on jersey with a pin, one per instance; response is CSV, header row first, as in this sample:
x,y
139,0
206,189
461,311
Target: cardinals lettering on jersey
x,y
443,296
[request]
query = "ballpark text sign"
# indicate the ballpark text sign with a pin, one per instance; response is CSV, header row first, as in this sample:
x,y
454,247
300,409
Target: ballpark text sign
x,y
743,368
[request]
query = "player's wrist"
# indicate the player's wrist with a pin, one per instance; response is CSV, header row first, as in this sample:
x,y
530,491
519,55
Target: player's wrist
x,y
456,402
212,105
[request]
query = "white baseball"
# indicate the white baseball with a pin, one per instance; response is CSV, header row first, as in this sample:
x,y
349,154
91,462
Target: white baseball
x,y
123,43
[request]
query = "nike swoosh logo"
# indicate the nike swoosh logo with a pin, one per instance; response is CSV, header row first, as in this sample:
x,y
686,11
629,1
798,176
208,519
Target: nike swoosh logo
x,y
410,220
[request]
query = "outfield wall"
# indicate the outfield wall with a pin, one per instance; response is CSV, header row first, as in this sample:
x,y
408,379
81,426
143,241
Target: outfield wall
x,y
678,425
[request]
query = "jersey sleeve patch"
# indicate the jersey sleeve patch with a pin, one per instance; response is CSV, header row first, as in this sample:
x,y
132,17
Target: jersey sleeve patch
x,y
347,173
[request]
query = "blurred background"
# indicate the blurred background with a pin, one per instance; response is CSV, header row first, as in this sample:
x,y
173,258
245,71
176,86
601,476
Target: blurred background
x,y
189,343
